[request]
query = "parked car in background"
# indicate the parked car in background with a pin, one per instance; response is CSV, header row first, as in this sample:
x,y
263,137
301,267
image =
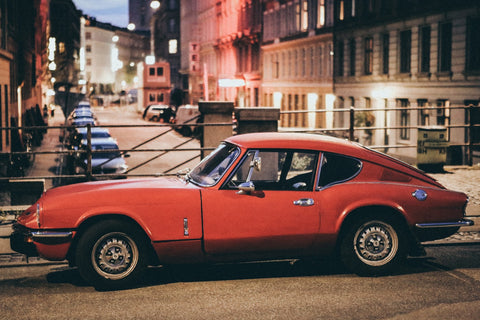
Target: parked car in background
x,y
158,112
106,158
78,135
257,196
185,118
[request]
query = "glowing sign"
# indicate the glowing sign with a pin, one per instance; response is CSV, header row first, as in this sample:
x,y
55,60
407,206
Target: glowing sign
x,y
231,83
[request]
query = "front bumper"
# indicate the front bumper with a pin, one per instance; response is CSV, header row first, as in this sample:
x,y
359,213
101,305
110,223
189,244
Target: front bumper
x,y
24,240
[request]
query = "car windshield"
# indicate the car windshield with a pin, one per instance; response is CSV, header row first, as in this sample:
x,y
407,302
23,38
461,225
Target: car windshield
x,y
211,169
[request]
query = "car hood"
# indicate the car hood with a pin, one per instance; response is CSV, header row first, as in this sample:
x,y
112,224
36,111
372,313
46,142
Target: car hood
x,y
78,201
145,201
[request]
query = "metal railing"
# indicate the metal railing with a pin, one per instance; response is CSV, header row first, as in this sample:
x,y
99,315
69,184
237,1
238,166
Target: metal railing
x,y
350,128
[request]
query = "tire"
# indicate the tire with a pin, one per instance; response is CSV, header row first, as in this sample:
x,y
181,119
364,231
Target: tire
x,y
373,246
111,255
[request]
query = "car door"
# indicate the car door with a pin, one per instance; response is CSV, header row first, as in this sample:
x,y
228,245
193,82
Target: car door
x,y
278,213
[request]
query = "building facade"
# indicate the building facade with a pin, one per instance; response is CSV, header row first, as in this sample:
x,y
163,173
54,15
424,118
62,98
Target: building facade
x,y
24,27
298,61
166,35
408,56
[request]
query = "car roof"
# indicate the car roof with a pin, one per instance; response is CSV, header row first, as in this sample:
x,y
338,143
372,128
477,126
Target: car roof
x,y
96,129
276,140
102,142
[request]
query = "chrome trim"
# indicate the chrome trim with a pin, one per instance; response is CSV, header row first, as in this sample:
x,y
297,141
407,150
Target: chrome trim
x,y
461,223
51,237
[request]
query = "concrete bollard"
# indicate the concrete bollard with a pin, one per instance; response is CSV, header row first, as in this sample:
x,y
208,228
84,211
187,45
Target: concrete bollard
x,y
215,112
257,119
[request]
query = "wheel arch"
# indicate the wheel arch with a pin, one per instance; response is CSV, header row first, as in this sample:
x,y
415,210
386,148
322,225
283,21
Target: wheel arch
x,y
86,224
376,211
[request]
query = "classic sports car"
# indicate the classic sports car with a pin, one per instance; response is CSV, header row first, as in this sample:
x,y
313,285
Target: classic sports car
x,y
257,196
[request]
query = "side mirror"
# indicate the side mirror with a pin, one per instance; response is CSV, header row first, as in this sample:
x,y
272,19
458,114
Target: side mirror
x,y
246,187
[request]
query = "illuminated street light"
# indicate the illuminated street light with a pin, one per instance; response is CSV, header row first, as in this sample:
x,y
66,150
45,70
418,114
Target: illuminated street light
x,y
115,38
155,4
131,26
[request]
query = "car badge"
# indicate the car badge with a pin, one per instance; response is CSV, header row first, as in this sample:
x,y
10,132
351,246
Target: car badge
x,y
420,195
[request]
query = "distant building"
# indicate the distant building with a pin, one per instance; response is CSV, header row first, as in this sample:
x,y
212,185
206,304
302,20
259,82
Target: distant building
x,y
110,56
153,84
166,38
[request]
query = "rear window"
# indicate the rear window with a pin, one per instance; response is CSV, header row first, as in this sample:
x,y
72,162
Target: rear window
x,y
337,168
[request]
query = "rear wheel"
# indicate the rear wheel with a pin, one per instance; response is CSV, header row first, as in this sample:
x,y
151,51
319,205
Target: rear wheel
x,y
111,254
373,246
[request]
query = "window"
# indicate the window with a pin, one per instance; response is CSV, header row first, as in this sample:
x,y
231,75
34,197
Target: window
x,y
298,17
159,97
320,13
159,71
88,48
352,56
151,97
304,15
172,25
172,46
277,170
88,35
404,118
385,52
340,59
341,10
445,47
337,168
443,115
405,50
151,72
423,112
172,4
368,55
473,45
425,49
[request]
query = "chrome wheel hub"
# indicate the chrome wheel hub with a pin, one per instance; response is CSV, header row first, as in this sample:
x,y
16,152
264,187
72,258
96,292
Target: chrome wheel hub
x,y
114,256
376,243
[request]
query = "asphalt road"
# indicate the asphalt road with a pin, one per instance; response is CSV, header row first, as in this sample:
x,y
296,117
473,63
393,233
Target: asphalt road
x,y
444,285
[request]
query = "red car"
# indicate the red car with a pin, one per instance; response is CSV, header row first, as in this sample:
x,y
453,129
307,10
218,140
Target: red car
x,y
257,196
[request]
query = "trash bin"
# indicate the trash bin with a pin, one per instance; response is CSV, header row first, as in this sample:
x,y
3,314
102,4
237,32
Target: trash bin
x,y
432,147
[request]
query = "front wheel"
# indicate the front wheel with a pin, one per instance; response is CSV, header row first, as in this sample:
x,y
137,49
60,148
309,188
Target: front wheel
x,y
373,246
111,255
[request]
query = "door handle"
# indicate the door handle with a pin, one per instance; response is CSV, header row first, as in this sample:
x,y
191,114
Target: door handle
x,y
306,202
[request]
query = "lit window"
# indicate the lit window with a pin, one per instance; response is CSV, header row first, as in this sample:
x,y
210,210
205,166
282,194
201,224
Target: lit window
x,y
172,46
321,14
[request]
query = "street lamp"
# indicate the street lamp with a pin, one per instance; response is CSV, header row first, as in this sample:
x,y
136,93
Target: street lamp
x,y
131,26
155,4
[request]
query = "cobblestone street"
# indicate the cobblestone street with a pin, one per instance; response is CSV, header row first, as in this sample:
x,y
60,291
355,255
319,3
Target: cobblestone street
x,y
464,179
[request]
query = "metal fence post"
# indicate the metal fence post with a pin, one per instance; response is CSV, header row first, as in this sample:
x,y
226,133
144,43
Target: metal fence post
x,y
351,130
89,152
470,135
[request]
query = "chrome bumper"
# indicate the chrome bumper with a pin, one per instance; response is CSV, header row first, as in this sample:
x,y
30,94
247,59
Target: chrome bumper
x,y
454,224
22,239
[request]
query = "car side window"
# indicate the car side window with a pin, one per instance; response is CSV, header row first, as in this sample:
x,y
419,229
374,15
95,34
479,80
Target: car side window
x,y
279,170
337,168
